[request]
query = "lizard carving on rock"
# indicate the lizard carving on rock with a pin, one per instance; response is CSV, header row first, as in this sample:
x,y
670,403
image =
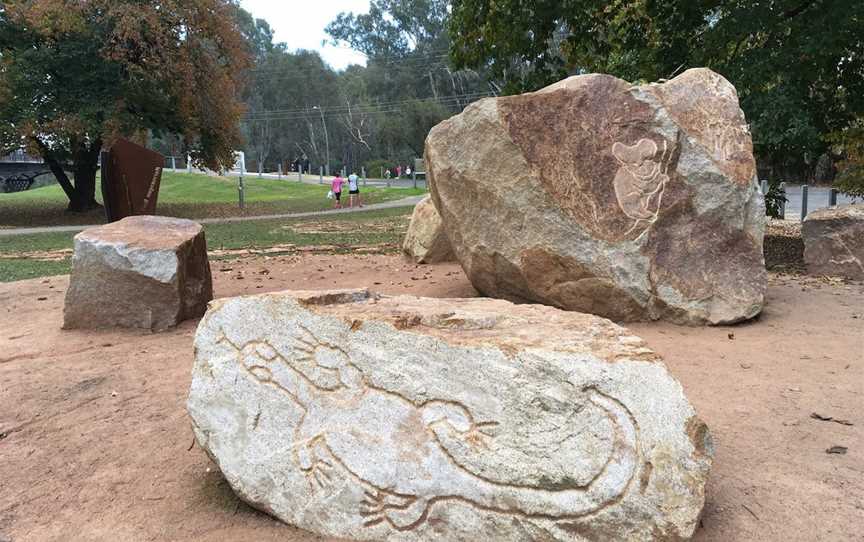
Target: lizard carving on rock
x,y
395,448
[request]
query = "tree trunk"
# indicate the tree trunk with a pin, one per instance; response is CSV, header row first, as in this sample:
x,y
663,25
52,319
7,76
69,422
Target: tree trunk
x,y
85,167
82,195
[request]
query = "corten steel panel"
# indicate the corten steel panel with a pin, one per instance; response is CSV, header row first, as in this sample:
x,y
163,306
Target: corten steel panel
x,y
130,180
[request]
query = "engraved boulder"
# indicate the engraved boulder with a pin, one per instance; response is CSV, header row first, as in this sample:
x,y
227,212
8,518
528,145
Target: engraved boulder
x,y
148,272
354,415
594,195
834,242
426,240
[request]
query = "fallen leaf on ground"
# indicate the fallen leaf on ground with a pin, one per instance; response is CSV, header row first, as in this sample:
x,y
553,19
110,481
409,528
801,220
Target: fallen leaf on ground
x,y
841,450
820,417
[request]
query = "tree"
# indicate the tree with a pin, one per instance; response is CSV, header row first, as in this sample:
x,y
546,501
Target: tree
x,y
850,144
798,65
408,84
76,75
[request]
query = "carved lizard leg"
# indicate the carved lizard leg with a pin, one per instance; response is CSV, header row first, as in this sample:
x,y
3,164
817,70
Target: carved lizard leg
x,y
401,512
315,465
451,417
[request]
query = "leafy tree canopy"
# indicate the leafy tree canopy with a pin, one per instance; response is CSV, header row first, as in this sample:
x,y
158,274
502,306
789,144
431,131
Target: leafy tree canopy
x,y
75,75
798,65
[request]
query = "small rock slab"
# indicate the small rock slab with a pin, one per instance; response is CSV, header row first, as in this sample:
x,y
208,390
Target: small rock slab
x,y
834,242
148,272
402,418
426,240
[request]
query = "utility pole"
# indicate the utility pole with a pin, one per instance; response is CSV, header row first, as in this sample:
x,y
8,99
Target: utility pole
x,y
326,141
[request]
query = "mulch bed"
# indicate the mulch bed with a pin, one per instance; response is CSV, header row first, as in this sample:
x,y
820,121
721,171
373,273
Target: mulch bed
x,y
784,247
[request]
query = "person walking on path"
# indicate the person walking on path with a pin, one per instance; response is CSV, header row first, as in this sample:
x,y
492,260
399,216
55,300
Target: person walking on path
x,y
336,188
354,190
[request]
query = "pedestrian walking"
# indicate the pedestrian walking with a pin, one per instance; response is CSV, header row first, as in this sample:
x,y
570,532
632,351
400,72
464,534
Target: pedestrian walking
x,y
354,190
336,189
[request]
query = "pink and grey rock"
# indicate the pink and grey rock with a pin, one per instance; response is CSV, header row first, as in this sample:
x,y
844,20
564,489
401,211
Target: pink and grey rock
x,y
595,195
146,272
834,242
426,240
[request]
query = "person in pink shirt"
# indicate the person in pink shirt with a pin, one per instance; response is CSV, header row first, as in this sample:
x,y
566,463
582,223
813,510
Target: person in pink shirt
x,y
336,188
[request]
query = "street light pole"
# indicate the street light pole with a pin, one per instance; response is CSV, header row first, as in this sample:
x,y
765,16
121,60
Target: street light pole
x,y
326,142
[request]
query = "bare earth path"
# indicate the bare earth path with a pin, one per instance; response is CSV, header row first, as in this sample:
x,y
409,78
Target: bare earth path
x,y
95,443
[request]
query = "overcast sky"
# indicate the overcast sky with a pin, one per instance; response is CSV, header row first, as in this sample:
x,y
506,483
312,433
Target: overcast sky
x,y
301,24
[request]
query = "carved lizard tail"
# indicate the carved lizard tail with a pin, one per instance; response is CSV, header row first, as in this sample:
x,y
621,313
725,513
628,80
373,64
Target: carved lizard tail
x,y
605,489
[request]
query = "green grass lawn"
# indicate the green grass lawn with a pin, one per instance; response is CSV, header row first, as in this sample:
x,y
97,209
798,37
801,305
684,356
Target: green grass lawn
x,y
343,231
188,196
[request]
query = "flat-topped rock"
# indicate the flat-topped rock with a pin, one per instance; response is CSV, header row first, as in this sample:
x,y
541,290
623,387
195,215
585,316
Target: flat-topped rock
x,y
401,418
595,195
148,272
834,241
426,240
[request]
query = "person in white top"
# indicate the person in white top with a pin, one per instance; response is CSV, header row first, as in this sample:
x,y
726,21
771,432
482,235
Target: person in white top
x,y
354,190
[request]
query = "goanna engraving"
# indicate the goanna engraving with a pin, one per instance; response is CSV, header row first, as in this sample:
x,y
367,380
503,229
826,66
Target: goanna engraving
x,y
641,179
394,449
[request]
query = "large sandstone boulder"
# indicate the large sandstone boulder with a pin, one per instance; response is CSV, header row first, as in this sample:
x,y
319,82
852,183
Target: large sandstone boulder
x,y
146,272
403,418
426,240
631,202
834,242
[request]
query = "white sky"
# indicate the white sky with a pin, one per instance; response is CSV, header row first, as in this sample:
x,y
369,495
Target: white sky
x,y
300,24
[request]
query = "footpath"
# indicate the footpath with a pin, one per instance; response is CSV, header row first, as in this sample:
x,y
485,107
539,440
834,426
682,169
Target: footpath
x,y
404,202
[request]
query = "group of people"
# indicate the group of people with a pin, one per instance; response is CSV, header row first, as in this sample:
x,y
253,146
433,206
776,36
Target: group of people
x,y
353,190
399,172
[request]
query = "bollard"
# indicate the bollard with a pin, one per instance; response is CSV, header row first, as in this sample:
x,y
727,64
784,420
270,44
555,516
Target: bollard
x,y
300,173
188,163
414,178
173,164
321,175
363,175
803,202
764,187
240,195
280,171
832,198
783,201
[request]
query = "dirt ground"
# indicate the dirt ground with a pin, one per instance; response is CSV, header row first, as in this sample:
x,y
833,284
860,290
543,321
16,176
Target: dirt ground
x,y
95,443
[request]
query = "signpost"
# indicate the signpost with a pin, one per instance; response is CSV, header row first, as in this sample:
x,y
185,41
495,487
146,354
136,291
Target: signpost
x,y
240,160
131,175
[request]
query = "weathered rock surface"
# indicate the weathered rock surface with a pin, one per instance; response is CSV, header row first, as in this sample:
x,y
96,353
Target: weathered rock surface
x,y
631,202
146,272
403,418
426,240
834,242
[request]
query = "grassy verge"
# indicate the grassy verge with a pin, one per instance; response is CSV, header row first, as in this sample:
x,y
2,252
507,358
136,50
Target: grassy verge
x,y
188,196
341,233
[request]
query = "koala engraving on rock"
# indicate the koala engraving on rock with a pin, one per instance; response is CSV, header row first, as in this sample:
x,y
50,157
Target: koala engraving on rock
x,y
641,179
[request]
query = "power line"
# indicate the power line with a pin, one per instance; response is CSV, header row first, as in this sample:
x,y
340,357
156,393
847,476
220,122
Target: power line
x,y
432,53
378,109
347,107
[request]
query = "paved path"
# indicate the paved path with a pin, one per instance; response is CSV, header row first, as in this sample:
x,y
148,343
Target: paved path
x,y
817,198
404,202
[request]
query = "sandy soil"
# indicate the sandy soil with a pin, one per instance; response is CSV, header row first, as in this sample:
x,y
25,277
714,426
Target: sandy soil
x,y
95,443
